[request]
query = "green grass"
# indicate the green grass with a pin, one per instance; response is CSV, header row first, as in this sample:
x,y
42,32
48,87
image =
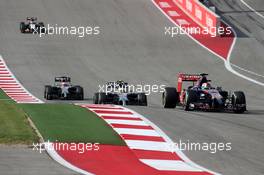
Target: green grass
x,y
55,122
4,97
70,123
14,127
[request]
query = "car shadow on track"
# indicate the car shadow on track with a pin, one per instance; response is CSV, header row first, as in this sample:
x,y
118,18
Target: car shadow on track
x,y
85,100
256,112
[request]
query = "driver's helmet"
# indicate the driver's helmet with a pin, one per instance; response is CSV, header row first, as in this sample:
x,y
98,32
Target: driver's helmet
x,y
122,86
206,86
64,84
120,83
31,19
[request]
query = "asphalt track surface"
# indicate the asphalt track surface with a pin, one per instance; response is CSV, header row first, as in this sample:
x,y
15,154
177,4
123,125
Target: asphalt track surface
x,y
132,46
24,160
249,27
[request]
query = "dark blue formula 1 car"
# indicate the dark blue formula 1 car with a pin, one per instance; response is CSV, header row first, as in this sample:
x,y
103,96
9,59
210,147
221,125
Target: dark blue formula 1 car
x,y
202,96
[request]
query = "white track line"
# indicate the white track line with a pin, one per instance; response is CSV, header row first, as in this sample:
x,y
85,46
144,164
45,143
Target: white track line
x,y
116,110
115,115
140,132
229,67
173,13
170,165
182,22
164,4
148,145
251,8
126,122
248,71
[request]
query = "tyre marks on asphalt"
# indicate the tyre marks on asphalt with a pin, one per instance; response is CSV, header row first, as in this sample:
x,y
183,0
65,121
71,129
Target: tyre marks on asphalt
x,y
11,86
220,45
149,146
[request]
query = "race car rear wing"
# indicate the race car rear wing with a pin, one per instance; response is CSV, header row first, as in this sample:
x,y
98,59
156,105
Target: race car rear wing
x,y
188,77
32,18
62,79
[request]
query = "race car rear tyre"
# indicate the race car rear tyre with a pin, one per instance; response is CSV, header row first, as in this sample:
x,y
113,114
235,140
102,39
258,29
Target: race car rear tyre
x,y
170,97
45,92
190,97
48,93
239,102
79,92
101,98
22,27
142,99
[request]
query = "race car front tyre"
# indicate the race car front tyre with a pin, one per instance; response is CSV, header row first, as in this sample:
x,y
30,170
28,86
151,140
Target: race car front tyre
x,y
190,97
142,99
239,102
101,98
170,97
22,27
48,92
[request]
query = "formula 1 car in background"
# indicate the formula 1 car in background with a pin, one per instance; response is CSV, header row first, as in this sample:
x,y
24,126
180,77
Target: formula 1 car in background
x,y
31,25
63,89
202,96
118,93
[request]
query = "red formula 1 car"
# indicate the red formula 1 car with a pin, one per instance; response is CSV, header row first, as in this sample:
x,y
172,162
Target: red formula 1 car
x,y
202,96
